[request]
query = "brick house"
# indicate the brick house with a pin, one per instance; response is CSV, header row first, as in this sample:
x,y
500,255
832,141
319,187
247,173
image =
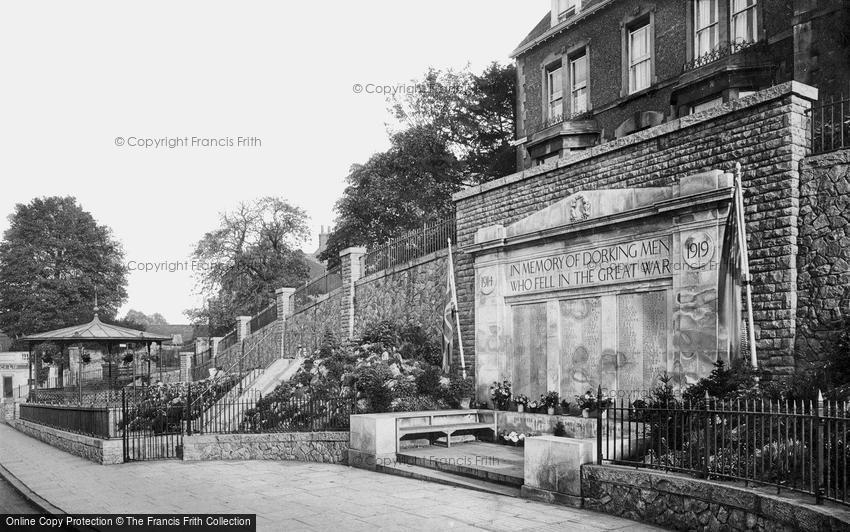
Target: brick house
x,y
595,70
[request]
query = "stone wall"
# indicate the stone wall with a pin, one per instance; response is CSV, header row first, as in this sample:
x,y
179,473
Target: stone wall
x,y
8,410
766,132
680,502
412,291
528,422
327,447
306,328
823,282
94,449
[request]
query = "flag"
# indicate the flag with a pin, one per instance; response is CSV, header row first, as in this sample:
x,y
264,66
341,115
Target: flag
x,y
729,282
733,280
448,325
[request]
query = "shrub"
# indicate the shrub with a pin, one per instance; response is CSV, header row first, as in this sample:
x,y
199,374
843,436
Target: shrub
x,y
428,382
500,393
735,382
560,429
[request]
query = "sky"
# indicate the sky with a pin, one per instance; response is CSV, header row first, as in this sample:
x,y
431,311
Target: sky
x,y
88,88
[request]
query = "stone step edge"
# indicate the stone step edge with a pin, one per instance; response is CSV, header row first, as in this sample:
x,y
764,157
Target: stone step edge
x,y
448,479
461,470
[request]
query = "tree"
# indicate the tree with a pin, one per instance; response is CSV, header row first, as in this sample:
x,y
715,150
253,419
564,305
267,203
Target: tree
x,y
253,252
473,113
395,191
455,131
53,259
143,320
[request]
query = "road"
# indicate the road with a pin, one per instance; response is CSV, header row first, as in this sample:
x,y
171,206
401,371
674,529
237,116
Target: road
x,y
11,502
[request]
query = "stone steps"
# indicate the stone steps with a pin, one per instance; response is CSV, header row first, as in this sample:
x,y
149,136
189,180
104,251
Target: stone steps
x,y
447,478
456,468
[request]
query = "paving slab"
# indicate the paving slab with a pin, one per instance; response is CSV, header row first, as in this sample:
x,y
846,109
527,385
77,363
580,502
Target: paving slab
x,y
284,495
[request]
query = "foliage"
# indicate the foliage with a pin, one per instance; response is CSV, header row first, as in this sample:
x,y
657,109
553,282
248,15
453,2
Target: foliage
x,y
410,338
372,374
252,252
590,401
560,430
521,400
143,320
457,134
162,406
517,439
54,258
550,400
500,393
738,381
474,113
565,406
395,191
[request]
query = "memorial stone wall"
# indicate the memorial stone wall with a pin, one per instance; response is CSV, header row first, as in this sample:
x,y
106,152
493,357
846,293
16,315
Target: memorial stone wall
x,y
766,132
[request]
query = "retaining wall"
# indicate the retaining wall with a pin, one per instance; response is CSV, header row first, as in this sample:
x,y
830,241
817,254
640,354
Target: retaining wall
x,y
823,283
325,447
414,291
93,449
685,503
306,328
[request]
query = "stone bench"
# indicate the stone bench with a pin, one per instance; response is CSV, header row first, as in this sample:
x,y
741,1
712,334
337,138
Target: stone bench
x,y
446,423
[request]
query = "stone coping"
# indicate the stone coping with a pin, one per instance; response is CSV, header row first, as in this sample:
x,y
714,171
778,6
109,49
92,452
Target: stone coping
x,y
424,413
271,437
778,91
792,509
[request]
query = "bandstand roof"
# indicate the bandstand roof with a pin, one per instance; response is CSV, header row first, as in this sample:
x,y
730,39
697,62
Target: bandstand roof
x,y
96,331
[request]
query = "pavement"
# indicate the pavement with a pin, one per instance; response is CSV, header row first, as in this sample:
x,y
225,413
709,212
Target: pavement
x,y
284,495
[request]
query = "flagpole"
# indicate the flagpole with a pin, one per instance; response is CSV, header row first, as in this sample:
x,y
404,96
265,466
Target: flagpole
x,y
456,313
745,264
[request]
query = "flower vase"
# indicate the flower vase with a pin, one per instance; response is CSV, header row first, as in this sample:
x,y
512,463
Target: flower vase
x,y
585,412
464,403
550,411
520,408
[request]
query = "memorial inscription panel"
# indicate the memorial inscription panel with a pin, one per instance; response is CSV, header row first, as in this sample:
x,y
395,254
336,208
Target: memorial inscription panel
x,y
632,261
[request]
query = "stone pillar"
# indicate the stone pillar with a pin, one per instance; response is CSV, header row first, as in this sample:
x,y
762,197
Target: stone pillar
x,y
283,298
351,270
186,367
284,303
215,340
243,328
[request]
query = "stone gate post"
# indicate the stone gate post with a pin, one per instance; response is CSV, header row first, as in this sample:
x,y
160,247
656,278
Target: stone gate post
x,y
351,269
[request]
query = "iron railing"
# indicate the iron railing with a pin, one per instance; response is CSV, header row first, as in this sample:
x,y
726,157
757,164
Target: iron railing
x,y
265,317
796,446
228,340
724,49
430,238
97,421
251,413
75,396
313,290
830,124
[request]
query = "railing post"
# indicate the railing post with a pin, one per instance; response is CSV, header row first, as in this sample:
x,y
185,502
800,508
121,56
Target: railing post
x,y
707,438
189,409
819,465
599,425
